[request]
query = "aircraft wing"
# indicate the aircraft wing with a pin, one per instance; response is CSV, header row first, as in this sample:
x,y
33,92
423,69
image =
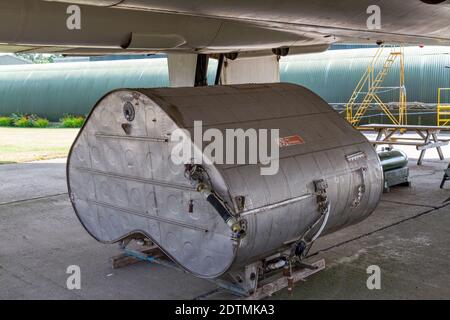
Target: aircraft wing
x,y
210,26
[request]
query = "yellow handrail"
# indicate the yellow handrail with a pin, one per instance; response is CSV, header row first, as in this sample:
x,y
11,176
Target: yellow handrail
x,y
367,77
443,110
373,82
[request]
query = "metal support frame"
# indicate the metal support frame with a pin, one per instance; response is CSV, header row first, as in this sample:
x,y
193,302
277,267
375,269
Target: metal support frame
x,y
219,69
446,177
287,280
252,286
201,70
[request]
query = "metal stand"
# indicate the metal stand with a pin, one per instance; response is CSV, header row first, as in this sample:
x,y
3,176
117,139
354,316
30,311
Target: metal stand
x,y
276,281
397,177
446,177
286,280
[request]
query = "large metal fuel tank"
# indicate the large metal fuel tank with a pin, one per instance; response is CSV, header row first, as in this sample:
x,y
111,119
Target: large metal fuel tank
x,y
221,217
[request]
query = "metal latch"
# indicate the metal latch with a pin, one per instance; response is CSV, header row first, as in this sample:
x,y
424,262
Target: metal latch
x,y
301,248
361,190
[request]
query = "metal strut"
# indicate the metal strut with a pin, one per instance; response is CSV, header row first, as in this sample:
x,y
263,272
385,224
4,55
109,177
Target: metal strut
x,y
201,181
201,70
219,69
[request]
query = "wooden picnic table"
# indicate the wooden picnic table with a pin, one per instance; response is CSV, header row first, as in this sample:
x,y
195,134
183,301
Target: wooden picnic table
x,y
428,137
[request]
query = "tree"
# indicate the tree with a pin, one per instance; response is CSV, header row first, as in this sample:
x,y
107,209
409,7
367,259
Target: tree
x,y
38,57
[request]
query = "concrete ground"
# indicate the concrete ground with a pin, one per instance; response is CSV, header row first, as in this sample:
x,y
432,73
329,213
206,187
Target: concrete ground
x,y
408,237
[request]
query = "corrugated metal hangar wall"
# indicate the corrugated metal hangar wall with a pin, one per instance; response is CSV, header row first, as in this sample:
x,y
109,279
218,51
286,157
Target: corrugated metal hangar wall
x,y
334,74
52,90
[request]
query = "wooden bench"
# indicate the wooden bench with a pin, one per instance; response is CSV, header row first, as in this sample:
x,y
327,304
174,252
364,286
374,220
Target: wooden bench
x,y
428,137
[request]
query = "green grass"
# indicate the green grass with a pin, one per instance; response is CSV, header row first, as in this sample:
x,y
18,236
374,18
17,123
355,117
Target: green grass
x,y
30,144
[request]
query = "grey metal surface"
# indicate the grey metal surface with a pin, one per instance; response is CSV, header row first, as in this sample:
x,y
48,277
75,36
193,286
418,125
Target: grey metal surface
x,y
213,25
120,184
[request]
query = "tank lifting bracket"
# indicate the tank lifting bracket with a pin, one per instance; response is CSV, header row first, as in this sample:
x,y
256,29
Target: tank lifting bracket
x,y
300,249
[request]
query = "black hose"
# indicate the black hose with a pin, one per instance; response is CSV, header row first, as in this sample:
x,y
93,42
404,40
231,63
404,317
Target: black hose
x,y
220,207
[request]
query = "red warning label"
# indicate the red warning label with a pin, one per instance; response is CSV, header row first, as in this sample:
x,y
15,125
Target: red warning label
x,y
291,141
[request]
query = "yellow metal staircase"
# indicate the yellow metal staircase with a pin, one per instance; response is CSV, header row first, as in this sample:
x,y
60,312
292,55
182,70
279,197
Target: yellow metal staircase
x,y
371,84
443,109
